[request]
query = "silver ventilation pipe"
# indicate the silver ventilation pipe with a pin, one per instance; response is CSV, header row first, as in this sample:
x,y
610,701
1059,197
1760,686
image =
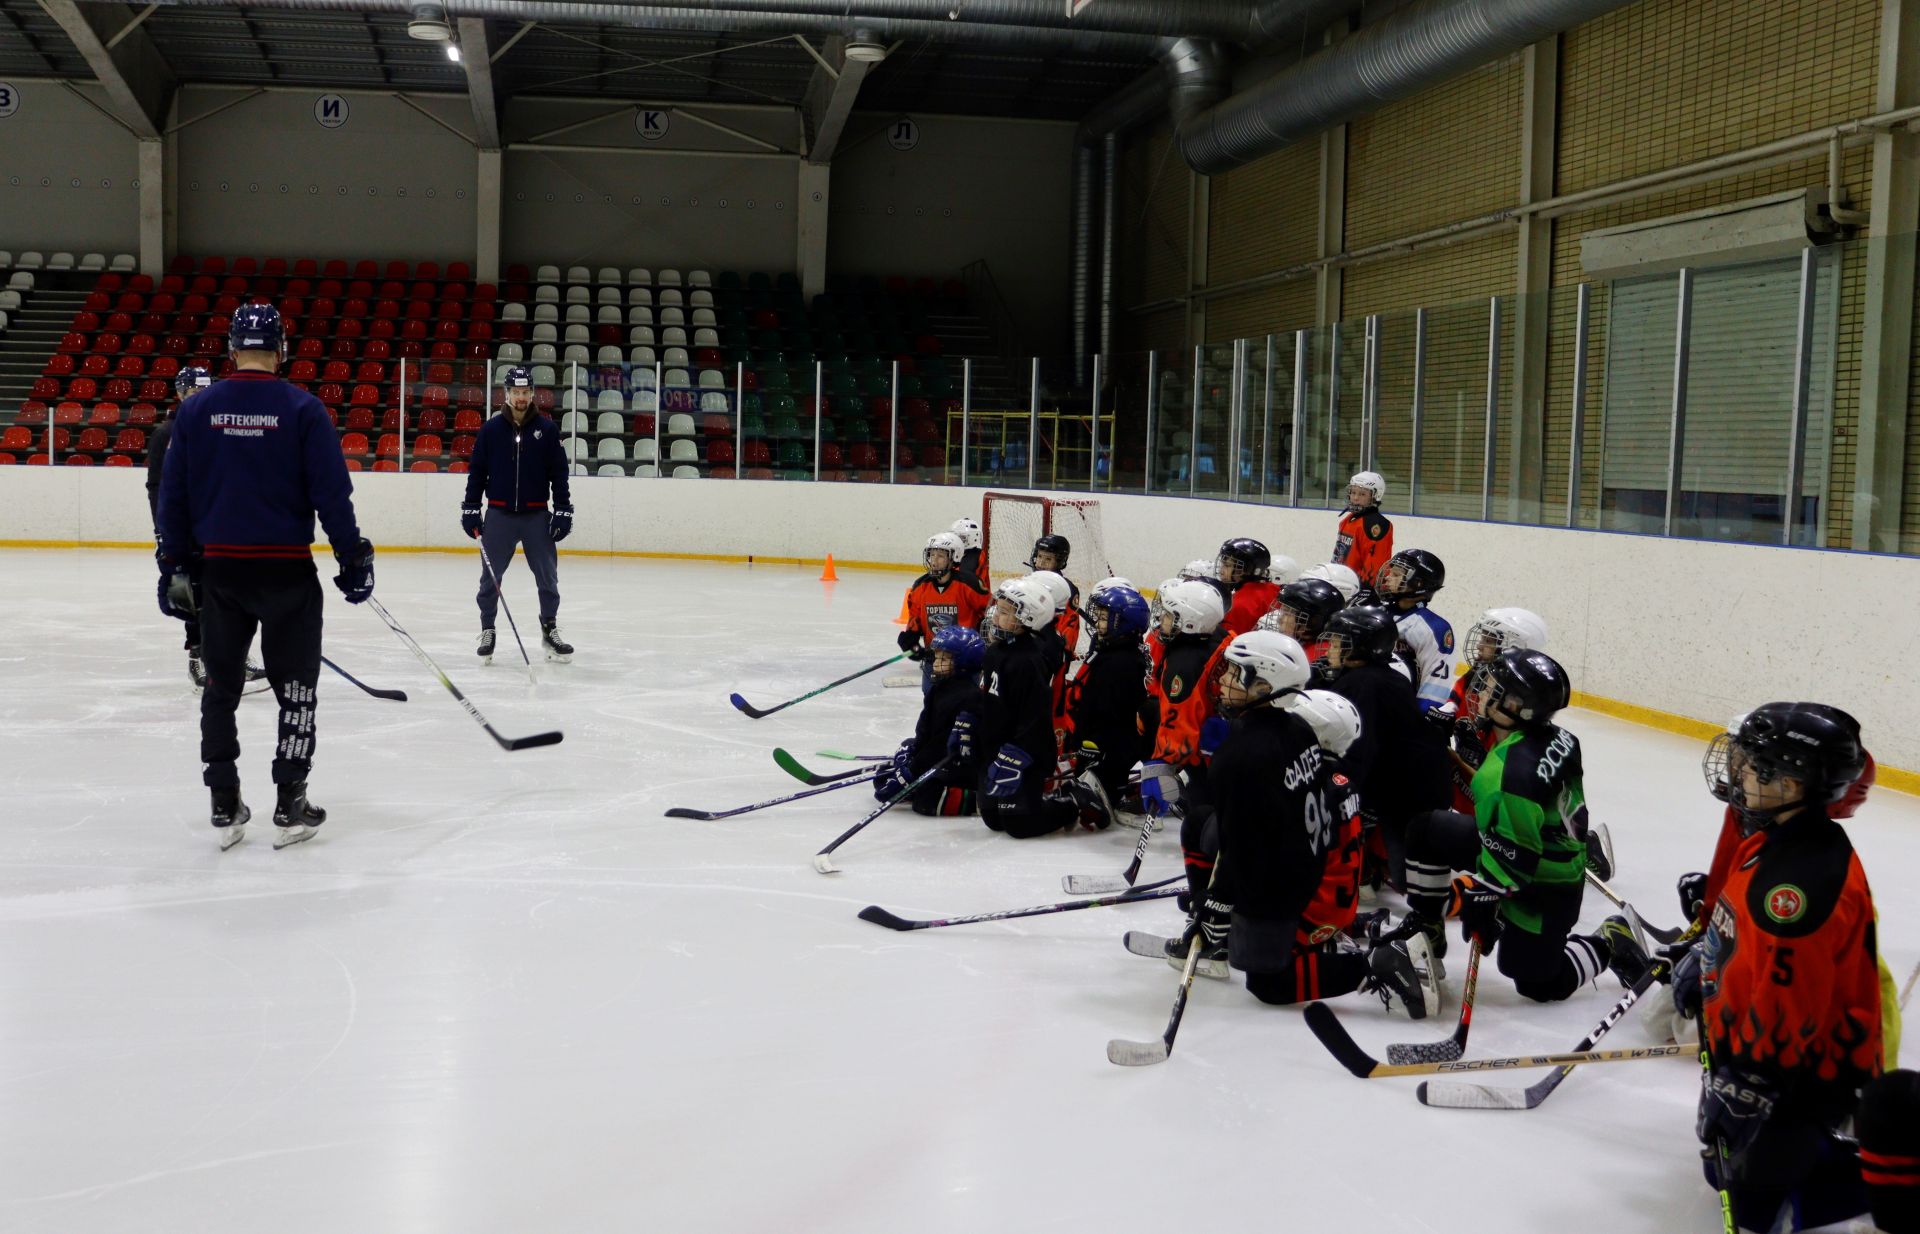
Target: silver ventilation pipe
x,y
1109,235
1081,273
1420,46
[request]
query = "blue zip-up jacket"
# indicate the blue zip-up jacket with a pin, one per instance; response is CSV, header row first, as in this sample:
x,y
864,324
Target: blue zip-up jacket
x,y
251,461
515,468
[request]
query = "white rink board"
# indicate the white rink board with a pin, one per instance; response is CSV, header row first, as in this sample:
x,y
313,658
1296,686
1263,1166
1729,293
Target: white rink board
x,y
503,993
1698,629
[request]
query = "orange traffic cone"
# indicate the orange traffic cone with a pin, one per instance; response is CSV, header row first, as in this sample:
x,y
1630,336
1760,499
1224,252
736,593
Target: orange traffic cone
x,y
906,613
827,575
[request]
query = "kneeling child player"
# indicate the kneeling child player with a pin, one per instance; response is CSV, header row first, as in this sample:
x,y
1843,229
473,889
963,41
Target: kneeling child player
x,y
1014,739
1103,702
957,654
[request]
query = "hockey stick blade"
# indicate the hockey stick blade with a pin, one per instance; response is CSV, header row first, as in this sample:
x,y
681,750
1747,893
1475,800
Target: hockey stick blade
x,y
1141,1054
791,765
420,653
1137,1053
1092,884
527,743
397,696
1454,1046
758,712
893,921
1339,1042
1443,1095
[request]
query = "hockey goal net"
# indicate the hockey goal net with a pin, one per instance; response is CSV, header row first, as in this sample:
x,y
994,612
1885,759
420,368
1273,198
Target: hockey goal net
x,y
1011,522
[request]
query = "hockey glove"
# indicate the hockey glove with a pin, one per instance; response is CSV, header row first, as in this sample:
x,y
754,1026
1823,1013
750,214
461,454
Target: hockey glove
x,y
470,521
1004,774
1213,734
355,579
560,524
1159,787
1477,905
1693,895
176,590
887,784
908,640
1685,976
960,738
1735,1106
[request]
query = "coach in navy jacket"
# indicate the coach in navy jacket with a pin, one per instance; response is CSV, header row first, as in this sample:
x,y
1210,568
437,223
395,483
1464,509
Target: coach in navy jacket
x,y
519,467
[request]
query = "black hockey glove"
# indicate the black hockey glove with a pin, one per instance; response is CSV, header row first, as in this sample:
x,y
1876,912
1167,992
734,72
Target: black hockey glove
x,y
1477,905
1684,973
908,640
1692,889
355,579
560,524
1735,1106
175,590
470,521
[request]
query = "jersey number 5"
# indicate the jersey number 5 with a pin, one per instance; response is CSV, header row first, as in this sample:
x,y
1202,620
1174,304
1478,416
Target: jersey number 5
x,y
1782,966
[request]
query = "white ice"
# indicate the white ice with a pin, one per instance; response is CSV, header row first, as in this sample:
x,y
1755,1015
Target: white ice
x,y
503,993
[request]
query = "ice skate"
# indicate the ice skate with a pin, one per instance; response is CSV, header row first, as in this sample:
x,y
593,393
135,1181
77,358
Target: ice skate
x,y
295,817
229,817
485,647
558,649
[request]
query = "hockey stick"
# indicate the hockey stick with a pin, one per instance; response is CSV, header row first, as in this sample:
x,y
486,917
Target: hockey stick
x,y
1454,1046
1906,991
901,682
791,765
506,743
859,777
1152,891
823,860
759,712
1484,1097
1327,1027
845,757
500,593
398,696
1124,1053
1666,937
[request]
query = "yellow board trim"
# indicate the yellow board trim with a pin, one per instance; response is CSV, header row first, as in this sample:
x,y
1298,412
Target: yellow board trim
x,y
1896,778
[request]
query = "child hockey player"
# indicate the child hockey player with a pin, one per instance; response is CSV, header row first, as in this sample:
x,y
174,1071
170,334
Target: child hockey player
x,y
1344,580
1302,613
1190,634
1406,585
1399,762
1365,540
1104,699
1013,735
955,656
940,597
1793,1007
969,532
1525,846
1497,631
1245,568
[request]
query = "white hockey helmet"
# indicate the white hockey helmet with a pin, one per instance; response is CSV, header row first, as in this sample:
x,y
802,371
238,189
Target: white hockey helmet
x,y
1113,580
1284,569
1199,568
1334,720
969,532
943,540
1509,629
1032,602
1196,606
1057,587
1166,585
1373,482
1263,655
1344,580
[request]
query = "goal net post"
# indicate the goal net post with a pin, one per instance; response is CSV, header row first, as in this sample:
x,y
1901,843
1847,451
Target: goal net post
x,y
1011,522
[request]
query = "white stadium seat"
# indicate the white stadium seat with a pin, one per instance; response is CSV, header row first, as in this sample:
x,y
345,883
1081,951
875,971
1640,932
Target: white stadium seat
x,y
677,379
646,398
640,276
646,471
610,275
706,336
10,300
21,281
611,469
123,263
577,449
577,353
579,295
607,295
673,336
60,261
514,312
644,355
547,274
715,401
610,448
93,261
700,299
510,353
546,332
686,473
644,451
580,469
608,315
573,422
703,317
676,357
608,355
31,260
544,353
673,317
543,376
699,278
576,333
6,259
640,315
673,297
683,451
578,314
579,274
574,400
680,424
546,312
546,293
640,295
711,379
611,421
669,278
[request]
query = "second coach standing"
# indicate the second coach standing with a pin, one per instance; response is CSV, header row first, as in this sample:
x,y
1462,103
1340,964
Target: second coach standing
x,y
517,460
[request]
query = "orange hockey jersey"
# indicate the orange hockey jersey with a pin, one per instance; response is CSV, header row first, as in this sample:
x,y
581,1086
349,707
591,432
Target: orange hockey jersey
x,y
960,601
1364,543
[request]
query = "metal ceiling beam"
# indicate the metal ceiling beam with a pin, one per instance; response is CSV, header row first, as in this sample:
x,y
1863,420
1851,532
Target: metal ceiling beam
x,y
474,58
138,82
830,95
29,42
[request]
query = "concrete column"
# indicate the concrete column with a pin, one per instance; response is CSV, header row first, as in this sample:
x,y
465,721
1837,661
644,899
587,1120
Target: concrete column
x,y
815,196
153,206
1330,283
1527,408
1886,350
487,197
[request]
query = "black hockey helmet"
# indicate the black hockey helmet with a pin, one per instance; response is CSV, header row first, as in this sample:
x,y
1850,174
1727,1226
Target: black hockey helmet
x,y
1527,686
1315,600
1411,574
1057,545
1810,742
1254,558
1366,632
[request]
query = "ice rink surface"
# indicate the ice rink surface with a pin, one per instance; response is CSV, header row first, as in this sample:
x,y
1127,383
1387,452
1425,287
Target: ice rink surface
x,y
503,993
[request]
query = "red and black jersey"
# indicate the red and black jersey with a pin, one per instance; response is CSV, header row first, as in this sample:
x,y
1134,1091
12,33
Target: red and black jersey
x,y
1364,543
960,601
1469,743
1790,976
1332,908
1251,600
1184,700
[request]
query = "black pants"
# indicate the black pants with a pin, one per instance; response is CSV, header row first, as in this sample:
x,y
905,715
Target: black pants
x,y
1818,1177
1546,965
499,534
281,599
1028,812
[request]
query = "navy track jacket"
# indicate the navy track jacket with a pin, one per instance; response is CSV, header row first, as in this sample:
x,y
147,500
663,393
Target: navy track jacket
x,y
514,467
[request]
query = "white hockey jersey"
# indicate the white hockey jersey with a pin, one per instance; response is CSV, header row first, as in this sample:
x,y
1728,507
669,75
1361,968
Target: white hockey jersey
x,y
1428,637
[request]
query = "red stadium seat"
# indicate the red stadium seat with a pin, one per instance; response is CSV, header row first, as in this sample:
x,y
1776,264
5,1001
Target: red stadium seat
x,y
131,439
119,460
16,437
142,414
105,415
467,420
462,449
130,366
60,365
84,389
78,460
389,446
354,445
423,464
458,468
429,445
93,440
360,418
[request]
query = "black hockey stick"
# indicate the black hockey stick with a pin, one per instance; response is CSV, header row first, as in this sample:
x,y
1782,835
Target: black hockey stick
x,y
758,712
500,593
791,765
1100,884
823,860
398,696
710,815
1454,1046
1665,937
506,743
1486,1097
1152,891
1333,1035
1126,1053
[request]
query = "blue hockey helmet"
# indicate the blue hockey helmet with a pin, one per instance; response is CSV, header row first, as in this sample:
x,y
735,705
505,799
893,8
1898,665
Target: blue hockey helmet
x,y
257,327
1127,612
189,379
964,644
517,377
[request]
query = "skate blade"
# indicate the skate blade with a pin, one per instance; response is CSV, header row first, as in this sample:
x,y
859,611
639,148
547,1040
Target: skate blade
x,y
554,657
232,835
289,836
1215,969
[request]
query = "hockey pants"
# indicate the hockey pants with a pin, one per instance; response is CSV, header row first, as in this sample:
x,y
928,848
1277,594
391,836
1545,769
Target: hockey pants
x,y
282,600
